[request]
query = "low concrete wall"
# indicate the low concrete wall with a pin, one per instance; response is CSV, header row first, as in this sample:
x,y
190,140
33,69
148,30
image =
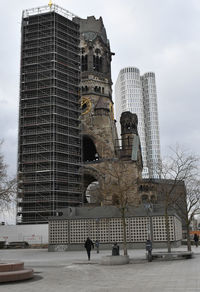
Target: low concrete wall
x,y
114,260
172,255
106,246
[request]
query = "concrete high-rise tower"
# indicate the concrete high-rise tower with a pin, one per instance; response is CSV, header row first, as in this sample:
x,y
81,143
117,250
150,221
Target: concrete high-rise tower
x,y
49,142
151,123
137,94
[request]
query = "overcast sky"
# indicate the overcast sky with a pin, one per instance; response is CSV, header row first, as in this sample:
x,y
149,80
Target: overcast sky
x,y
162,36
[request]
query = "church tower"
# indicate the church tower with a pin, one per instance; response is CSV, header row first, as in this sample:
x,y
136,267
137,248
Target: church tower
x,y
98,124
101,147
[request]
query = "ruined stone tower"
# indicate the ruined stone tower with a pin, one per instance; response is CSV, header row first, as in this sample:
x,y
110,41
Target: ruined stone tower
x,y
98,124
101,146
131,148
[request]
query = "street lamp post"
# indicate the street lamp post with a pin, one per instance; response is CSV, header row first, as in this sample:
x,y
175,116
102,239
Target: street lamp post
x,y
149,209
97,235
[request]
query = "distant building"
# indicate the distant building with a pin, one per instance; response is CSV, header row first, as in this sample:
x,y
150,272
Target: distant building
x,y
137,94
69,228
49,141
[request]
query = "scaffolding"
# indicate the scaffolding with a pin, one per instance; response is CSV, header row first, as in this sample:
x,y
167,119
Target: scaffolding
x,y
48,8
49,142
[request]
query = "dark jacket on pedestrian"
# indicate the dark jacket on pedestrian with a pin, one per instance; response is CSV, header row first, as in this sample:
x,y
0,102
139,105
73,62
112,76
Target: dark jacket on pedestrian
x,y
196,237
89,244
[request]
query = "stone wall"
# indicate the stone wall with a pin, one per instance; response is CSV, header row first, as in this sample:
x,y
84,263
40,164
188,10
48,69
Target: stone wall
x,y
112,173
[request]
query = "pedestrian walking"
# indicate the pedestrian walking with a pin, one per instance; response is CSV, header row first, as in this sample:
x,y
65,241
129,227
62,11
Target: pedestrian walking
x,y
88,246
196,239
97,245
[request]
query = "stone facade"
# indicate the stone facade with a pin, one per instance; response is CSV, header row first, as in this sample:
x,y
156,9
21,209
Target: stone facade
x,y
112,173
101,147
104,153
98,124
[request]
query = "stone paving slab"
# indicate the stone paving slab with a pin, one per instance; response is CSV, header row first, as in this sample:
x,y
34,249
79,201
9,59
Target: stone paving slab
x,y
72,272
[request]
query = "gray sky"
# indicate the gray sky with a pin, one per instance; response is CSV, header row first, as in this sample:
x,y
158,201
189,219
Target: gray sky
x,y
162,36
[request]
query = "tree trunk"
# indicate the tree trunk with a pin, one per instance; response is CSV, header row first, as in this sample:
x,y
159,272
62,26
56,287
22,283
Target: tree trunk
x,y
124,230
167,230
189,248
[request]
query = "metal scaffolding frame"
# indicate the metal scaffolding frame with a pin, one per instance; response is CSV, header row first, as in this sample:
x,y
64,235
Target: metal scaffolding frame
x,y
49,147
48,8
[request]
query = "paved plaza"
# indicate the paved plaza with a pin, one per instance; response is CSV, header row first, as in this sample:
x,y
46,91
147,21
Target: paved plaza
x,y
71,272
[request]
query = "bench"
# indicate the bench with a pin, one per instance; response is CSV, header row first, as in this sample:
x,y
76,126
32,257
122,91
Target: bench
x,y
172,256
18,244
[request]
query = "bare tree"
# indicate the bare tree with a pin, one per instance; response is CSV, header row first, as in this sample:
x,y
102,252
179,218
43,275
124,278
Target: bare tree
x,y
7,186
188,211
118,187
179,168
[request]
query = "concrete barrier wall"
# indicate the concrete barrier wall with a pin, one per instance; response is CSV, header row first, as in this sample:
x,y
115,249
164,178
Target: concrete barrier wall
x,y
33,234
107,246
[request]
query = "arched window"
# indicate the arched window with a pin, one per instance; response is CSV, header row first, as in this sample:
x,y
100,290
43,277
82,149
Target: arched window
x,y
97,89
145,198
93,193
89,150
84,89
97,63
84,63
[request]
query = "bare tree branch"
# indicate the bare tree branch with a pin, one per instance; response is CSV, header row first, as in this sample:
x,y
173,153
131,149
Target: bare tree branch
x,y
119,187
7,186
181,167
